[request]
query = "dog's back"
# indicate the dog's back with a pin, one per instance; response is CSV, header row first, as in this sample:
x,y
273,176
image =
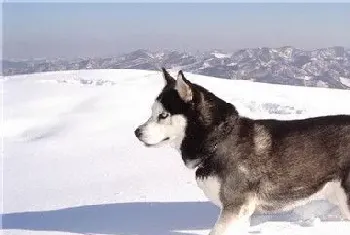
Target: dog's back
x,y
311,140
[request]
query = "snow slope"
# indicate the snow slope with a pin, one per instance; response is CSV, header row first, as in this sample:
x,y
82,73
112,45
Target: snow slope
x,y
72,165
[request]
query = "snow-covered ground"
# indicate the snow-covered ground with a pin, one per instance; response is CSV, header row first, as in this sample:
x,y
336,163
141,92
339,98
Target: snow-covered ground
x,y
72,165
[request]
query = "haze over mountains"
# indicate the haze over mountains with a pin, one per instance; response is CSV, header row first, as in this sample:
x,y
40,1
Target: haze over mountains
x,y
324,67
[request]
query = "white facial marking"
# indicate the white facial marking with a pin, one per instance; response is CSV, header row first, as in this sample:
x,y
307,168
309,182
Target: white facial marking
x,y
211,188
158,131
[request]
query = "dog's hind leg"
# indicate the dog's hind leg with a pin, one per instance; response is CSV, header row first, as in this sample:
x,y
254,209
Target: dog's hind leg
x,y
344,196
339,195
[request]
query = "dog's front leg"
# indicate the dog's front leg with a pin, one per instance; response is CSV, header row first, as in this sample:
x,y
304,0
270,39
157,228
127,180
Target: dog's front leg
x,y
234,218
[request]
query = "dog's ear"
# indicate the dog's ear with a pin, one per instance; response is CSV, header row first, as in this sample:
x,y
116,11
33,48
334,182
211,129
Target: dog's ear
x,y
183,87
169,80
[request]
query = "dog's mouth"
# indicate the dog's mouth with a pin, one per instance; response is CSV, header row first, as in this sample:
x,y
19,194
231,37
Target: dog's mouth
x,y
153,145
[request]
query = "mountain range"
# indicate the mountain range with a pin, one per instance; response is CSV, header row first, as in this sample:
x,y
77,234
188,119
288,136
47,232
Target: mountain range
x,y
324,67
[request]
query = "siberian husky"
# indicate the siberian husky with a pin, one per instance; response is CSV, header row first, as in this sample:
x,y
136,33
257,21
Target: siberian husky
x,y
245,165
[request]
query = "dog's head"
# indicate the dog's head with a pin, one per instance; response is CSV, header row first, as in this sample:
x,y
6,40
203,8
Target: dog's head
x,y
168,121
182,110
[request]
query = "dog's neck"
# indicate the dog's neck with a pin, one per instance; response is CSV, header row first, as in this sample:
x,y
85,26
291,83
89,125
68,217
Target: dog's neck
x,y
198,143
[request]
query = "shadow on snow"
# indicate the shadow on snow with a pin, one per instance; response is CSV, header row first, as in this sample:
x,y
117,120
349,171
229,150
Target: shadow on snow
x,y
145,218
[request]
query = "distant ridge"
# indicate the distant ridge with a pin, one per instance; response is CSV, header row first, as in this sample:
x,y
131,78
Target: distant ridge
x,y
324,67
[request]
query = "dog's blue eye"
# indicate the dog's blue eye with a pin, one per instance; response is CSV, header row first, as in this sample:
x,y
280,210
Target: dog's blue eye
x,y
163,115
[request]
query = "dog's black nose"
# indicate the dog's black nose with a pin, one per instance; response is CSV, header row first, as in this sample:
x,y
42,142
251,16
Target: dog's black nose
x,y
138,133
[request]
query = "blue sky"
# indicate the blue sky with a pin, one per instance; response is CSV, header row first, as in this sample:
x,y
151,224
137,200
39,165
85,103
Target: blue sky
x,y
97,29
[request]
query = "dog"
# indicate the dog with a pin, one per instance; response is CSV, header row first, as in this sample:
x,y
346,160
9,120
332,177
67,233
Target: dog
x,y
245,165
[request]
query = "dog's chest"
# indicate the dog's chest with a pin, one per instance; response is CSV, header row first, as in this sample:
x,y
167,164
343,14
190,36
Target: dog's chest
x,y
211,188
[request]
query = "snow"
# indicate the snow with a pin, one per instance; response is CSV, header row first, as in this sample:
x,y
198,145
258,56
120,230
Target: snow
x,y
205,65
345,81
232,64
286,53
72,165
157,55
221,55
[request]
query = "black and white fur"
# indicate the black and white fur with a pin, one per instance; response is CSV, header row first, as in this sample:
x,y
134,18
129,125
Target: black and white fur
x,y
244,165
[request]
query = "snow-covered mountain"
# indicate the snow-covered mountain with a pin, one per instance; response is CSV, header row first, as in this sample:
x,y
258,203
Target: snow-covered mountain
x,y
72,164
325,67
